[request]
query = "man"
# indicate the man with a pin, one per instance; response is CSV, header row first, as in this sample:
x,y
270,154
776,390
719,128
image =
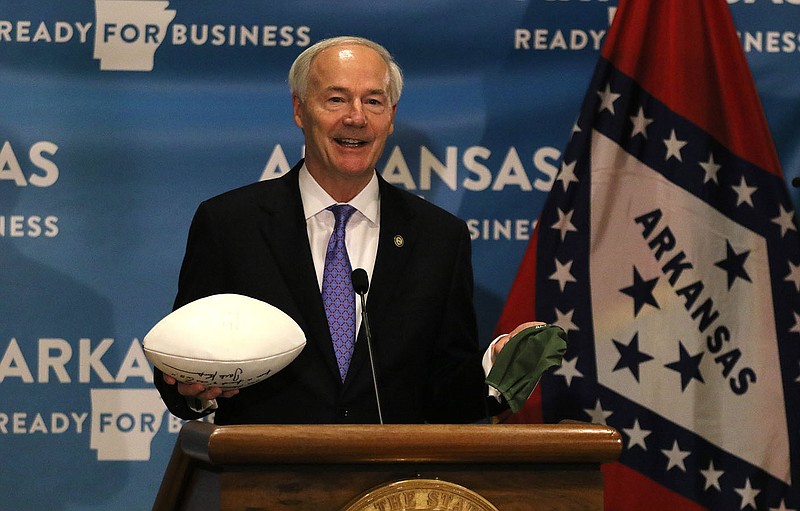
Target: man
x,y
269,240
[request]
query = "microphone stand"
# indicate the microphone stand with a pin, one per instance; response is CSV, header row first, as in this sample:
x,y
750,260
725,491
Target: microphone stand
x,y
361,285
365,320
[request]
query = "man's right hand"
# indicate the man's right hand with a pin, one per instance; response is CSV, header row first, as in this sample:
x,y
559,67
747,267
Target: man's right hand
x,y
199,391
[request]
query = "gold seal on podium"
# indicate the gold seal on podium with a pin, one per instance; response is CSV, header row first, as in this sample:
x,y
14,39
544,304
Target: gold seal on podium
x,y
420,495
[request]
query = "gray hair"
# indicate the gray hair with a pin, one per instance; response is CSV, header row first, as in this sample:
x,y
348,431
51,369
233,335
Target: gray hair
x,y
298,73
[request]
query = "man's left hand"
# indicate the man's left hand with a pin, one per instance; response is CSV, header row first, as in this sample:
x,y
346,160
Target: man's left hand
x,y
507,337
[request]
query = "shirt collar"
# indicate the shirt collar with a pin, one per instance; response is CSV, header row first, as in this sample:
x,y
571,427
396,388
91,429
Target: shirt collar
x,y
316,199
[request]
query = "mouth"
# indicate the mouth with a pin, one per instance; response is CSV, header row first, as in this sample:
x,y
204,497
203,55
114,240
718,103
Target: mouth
x,y
350,142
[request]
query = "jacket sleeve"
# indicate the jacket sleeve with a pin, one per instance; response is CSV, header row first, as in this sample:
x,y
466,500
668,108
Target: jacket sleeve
x,y
459,393
201,275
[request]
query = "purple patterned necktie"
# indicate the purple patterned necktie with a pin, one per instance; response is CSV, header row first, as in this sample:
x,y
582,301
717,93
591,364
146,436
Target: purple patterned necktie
x,y
337,290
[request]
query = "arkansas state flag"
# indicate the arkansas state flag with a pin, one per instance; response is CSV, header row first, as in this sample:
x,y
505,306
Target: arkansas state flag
x,y
668,251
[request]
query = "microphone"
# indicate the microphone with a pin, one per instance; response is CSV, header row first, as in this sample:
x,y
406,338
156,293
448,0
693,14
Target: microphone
x,y
361,286
360,281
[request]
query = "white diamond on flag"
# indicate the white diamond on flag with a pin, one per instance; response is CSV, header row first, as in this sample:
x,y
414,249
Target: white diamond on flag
x,y
678,238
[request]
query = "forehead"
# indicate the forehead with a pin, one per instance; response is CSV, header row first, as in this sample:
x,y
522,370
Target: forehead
x,y
342,64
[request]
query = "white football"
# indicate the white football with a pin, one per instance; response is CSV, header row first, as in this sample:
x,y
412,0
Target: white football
x,y
227,340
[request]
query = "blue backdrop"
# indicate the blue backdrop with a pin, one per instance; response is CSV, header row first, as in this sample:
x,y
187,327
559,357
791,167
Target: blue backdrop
x,y
118,117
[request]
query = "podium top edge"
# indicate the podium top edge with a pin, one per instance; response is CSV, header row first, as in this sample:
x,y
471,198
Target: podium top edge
x,y
567,442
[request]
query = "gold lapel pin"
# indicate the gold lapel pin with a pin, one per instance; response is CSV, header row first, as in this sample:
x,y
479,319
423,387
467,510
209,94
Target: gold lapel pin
x,y
398,241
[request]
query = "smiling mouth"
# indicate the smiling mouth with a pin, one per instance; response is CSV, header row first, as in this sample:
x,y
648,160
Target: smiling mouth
x,y
350,142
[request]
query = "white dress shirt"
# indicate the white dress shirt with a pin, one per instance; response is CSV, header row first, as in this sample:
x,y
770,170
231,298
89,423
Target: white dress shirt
x,y
361,234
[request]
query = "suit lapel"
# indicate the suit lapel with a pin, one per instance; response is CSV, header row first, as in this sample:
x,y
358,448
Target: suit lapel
x,y
395,245
286,235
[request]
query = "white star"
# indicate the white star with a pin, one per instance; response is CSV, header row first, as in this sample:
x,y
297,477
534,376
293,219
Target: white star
x,y
784,220
796,327
640,123
675,457
794,275
782,508
748,494
564,320
674,147
564,223
607,99
569,370
712,476
563,274
637,435
744,193
598,415
567,174
711,167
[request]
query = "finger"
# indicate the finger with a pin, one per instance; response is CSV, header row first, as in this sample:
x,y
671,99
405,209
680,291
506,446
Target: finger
x,y
524,326
504,339
496,347
502,342
169,380
212,393
191,390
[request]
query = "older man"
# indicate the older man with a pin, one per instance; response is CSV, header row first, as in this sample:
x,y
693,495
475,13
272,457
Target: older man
x,y
274,240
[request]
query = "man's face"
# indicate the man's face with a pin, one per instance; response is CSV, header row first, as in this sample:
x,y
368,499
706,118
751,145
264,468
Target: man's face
x,y
346,116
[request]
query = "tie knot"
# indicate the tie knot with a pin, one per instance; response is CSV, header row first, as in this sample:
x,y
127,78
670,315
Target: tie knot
x,y
342,213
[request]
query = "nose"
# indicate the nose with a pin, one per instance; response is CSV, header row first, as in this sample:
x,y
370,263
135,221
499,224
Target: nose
x,y
355,116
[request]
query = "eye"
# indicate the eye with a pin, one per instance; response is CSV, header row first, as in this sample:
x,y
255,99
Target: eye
x,y
335,102
375,104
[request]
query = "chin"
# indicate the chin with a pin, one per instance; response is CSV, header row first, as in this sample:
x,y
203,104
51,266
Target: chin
x,y
355,169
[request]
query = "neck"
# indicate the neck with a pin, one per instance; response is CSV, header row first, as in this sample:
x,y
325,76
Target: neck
x,y
342,189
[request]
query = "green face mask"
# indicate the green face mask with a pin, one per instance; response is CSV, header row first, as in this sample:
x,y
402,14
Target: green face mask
x,y
524,359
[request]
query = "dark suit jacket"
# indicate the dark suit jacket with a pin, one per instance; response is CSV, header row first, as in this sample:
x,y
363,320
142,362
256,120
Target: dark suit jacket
x,y
253,241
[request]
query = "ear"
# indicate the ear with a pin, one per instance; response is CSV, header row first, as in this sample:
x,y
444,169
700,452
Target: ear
x,y
297,105
391,126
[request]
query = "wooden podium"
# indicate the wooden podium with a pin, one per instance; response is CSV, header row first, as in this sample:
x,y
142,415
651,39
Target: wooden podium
x,y
388,467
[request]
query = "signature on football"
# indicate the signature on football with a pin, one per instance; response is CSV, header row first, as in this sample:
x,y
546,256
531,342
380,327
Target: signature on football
x,y
215,378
